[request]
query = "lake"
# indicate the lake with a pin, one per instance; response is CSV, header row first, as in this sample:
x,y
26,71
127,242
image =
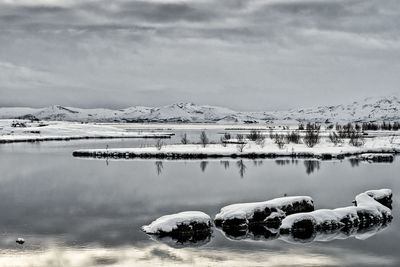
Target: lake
x,y
87,212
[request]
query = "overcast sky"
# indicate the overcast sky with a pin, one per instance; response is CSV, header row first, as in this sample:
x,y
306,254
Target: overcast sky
x,y
242,54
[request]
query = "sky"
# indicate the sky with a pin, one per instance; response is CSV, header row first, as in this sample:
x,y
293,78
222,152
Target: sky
x,y
241,54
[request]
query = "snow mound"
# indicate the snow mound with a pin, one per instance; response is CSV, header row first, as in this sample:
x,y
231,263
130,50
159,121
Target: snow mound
x,y
272,211
368,211
187,221
377,157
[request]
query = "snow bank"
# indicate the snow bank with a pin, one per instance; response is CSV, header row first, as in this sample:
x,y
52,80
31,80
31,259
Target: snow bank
x,y
59,131
188,221
269,212
324,150
381,157
368,211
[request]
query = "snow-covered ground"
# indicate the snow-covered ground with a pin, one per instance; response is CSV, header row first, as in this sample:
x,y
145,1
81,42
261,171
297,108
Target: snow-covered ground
x,y
56,130
324,149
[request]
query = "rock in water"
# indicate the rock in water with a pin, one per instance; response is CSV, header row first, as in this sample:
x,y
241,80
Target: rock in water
x,y
183,227
20,240
372,208
238,217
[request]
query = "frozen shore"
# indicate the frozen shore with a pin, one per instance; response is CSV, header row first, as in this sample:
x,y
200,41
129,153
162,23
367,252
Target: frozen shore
x,y
23,131
323,150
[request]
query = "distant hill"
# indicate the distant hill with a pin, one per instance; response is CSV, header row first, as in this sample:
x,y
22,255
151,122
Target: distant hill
x,y
370,109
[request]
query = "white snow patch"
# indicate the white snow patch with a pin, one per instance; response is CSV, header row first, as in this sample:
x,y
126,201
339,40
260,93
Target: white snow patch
x,y
365,202
169,222
247,210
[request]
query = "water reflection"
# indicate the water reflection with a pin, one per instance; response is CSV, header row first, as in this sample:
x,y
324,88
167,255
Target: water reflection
x,y
261,232
184,241
84,213
311,166
203,165
225,163
159,166
242,167
354,162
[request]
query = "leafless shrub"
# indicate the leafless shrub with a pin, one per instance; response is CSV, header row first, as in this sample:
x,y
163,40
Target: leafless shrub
x,y
159,144
184,139
271,134
240,147
279,139
223,141
227,136
335,139
254,135
261,142
240,137
203,139
312,135
356,139
293,137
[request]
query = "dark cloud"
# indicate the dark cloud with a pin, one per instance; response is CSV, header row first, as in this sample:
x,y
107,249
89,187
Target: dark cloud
x,y
186,49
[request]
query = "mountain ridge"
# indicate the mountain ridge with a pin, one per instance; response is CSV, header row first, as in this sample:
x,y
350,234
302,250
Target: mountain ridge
x,y
367,110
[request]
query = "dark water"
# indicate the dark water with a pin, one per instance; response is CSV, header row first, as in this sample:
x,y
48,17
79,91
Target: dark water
x,y
80,212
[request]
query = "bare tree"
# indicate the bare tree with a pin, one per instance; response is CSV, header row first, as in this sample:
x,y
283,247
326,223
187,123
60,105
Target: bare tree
x,y
356,139
203,139
184,139
241,146
293,137
335,138
279,139
159,144
312,135
240,138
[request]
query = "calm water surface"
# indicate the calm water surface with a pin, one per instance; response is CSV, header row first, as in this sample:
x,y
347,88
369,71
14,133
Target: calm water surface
x,y
80,212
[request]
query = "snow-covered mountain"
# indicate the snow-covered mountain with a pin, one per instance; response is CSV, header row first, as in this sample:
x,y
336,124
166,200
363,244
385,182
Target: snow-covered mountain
x,y
378,109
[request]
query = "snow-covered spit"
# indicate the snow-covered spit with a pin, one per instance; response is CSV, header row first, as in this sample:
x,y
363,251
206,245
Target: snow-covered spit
x,y
367,110
55,130
369,210
270,212
323,150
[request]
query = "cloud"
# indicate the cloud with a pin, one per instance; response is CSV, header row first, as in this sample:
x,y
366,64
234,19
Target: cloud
x,y
127,47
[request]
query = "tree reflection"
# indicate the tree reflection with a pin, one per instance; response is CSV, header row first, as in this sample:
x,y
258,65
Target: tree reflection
x,y
159,166
242,167
354,162
225,163
203,165
311,166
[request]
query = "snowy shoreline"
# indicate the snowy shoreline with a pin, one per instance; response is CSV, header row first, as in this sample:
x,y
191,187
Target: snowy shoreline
x,y
324,150
16,131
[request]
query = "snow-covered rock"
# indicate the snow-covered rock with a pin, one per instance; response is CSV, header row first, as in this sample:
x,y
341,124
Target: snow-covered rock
x,y
187,222
269,212
368,211
377,157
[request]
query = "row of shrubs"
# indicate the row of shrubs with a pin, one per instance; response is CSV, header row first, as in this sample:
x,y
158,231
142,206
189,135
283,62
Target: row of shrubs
x,y
311,137
366,126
